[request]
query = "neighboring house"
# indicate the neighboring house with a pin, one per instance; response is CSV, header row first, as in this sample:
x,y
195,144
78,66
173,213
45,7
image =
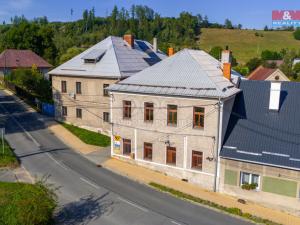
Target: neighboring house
x,y
262,145
167,116
270,74
79,85
11,59
295,61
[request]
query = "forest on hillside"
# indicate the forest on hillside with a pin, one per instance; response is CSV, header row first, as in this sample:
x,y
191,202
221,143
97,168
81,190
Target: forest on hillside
x,y
59,41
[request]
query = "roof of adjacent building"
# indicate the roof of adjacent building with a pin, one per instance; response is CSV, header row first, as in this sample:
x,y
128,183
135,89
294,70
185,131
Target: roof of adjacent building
x,y
191,73
259,135
261,73
13,58
117,59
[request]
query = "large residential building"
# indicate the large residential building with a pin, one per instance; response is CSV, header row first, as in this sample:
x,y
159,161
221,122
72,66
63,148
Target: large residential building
x,y
11,59
261,150
79,85
269,74
171,117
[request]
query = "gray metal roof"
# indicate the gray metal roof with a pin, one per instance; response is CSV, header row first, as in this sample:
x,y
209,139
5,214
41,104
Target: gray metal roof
x,y
259,135
191,73
119,59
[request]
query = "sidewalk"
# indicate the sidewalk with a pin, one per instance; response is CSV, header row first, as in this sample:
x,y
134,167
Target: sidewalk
x,y
100,156
146,176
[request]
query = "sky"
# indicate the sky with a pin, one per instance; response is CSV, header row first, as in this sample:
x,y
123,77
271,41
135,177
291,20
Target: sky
x,y
249,13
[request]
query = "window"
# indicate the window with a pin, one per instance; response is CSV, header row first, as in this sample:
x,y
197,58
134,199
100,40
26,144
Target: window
x,y
171,155
148,151
64,110
126,109
198,117
79,113
148,112
64,86
249,178
78,87
105,92
172,115
126,146
197,158
105,116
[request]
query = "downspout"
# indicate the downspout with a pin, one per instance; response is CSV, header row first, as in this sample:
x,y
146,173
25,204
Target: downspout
x,y
218,144
111,127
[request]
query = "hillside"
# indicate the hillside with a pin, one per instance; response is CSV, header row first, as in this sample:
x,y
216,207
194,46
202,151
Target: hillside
x,y
245,44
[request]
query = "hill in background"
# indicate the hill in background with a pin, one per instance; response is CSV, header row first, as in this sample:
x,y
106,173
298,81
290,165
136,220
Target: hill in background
x,y
246,44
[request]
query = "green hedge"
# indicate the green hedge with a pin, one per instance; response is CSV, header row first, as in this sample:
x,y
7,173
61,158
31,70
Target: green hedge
x,y
26,204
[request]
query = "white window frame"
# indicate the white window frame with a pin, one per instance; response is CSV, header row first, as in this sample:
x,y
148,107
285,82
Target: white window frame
x,y
250,179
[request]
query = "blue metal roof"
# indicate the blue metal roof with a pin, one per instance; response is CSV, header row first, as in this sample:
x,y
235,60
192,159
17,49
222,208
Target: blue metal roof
x,y
259,135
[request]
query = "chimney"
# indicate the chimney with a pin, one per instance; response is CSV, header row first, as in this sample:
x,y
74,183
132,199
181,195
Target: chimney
x,y
275,96
170,51
226,56
155,44
129,38
227,70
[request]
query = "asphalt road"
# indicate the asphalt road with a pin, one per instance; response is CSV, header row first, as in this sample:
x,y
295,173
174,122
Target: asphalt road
x,y
89,194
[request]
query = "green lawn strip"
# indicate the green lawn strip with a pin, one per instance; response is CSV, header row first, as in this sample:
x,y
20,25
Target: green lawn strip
x,y
88,137
230,210
22,203
7,159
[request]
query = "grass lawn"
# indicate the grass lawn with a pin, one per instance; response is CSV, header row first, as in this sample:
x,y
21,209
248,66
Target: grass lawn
x,y
8,159
244,44
88,137
26,204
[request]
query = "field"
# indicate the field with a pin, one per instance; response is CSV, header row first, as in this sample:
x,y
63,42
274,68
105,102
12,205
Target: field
x,y
245,44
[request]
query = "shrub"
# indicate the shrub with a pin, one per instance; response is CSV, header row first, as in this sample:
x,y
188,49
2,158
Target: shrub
x,y
297,34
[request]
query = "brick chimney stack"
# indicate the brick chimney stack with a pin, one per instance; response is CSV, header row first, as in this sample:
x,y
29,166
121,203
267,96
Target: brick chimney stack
x,y
226,58
170,51
129,38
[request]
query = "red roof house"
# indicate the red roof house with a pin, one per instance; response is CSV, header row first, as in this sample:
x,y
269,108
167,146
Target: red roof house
x,y
263,73
13,59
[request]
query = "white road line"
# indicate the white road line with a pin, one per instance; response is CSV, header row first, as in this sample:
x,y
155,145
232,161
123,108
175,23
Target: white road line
x,y
25,131
58,163
90,183
133,204
173,221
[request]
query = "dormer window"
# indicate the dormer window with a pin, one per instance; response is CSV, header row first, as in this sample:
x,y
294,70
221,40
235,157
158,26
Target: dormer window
x,y
94,56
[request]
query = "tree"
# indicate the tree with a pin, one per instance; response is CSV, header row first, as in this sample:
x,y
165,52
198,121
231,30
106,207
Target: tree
x,y
216,52
228,24
297,34
253,63
287,66
239,26
71,52
270,55
266,28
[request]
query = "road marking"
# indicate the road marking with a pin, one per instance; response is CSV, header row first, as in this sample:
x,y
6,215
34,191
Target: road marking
x,y
58,163
173,221
90,183
133,204
25,131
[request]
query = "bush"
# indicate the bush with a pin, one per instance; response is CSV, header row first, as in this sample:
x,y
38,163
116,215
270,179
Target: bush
x,y
297,34
253,63
26,204
249,186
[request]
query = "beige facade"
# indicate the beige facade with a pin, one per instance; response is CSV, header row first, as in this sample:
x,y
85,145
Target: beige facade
x,y
278,75
277,187
182,136
92,102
